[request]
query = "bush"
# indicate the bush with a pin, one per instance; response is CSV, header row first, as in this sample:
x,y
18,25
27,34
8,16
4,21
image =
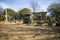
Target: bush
x,y
53,21
18,23
45,21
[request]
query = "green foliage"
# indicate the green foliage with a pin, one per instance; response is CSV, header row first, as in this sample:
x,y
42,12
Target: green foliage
x,y
1,16
45,21
18,23
53,21
11,13
24,11
54,9
43,15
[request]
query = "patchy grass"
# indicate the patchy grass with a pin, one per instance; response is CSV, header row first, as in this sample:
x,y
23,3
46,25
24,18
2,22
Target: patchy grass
x,y
21,31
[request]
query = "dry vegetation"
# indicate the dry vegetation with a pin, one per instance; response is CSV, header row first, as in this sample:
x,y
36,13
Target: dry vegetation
x,y
24,32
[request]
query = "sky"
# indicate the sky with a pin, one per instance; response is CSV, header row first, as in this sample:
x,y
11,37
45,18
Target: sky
x,y
20,4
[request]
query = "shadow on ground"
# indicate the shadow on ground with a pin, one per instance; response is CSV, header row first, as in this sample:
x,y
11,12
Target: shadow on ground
x,y
15,32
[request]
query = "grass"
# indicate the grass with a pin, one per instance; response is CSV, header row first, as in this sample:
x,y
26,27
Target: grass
x,y
21,31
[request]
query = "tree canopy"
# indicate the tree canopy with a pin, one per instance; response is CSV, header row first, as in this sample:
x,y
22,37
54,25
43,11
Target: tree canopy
x,y
10,13
54,9
24,11
1,14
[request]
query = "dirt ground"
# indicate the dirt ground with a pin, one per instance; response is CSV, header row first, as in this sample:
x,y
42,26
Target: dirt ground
x,y
24,32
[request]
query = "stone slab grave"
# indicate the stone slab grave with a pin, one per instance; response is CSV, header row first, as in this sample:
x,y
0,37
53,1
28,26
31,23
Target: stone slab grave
x,y
27,19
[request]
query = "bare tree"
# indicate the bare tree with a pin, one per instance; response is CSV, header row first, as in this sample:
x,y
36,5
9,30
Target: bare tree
x,y
35,6
54,10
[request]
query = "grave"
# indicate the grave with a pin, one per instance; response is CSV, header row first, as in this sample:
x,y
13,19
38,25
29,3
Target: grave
x,y
27,19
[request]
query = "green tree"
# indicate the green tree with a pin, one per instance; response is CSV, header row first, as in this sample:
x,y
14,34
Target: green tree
x,y
54,9
10,13
24,11
1,14
43,15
